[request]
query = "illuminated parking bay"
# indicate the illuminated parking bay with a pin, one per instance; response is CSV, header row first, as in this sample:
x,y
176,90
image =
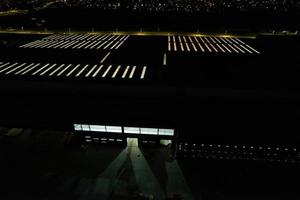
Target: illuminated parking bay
x,y
209,44
86,71
79,41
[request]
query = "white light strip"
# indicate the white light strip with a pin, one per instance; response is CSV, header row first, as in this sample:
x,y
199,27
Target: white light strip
x,y
88,74
47,70
73,70
143,72
4,64
125,72
23,69
34,73
107,70
97,71
78,74
60,73
132,72
104,58
31,68
56,69
165,59
9,67
14,69
116,71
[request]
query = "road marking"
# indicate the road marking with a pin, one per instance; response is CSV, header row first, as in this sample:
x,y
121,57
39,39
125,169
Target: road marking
x,y
28,70
116,71
78,74
104,58
16,68
132,72
165,59
107,70
87,75
41,74
143,72
56,69
23,69
202,49
9,67
125,72
60,73
97,71
4,64
73,70
34,73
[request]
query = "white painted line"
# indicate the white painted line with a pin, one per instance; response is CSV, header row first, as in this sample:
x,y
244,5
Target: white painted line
x,y
30,43
78,74
38,43
240,41
67,44
179,38
174,40
107,70
226,48
76,37
41,74
213,47
16,68
34,73
4,64
132,72
233,40
23,69
175,47
125,72
119,41
104,58
187,46
238,48
80,43
54,43
108,44
97,71
65,69
28,70
117,47
101,37
56,69
194,47
10,66
217,44
85,43
80,36
62,44
184,39
229,45
143,72
169,40
93,42
169,46
181,46
245,48
116,71
96,44
253,49
70,44
103,43
73,70
165,59
229,41
202,49
88,74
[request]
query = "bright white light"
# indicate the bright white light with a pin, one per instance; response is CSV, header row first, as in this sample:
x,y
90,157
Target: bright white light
x,y
149,131
97,128
132,130
114,129
166,132
77,127
85,127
